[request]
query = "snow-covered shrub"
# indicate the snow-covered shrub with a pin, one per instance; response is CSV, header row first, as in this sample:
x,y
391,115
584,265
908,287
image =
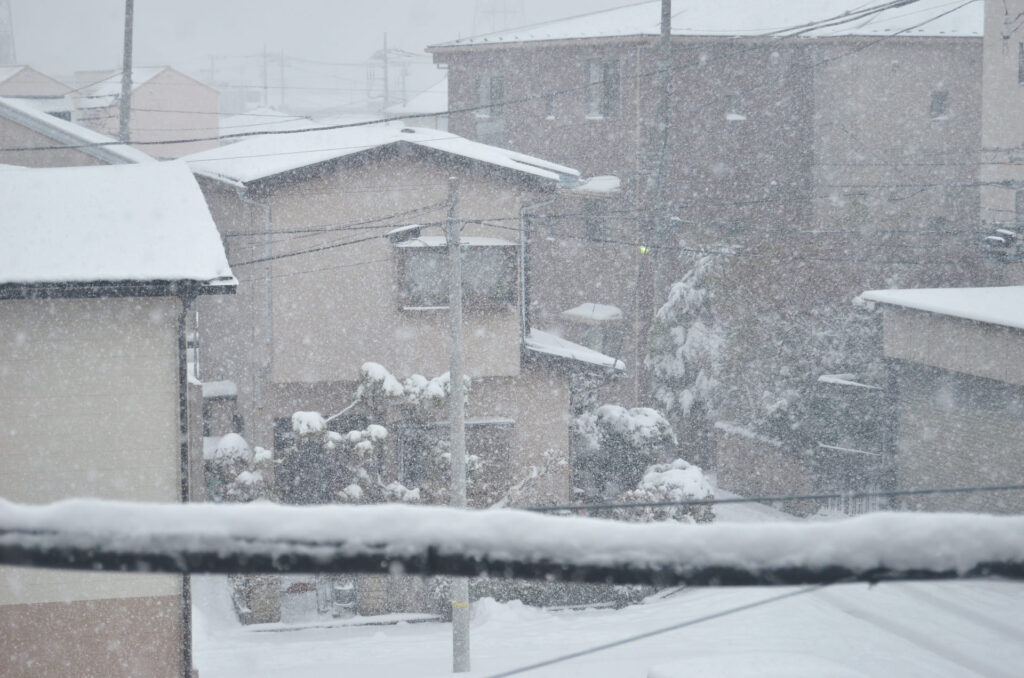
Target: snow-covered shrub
x,y
234,472
617,445
676,481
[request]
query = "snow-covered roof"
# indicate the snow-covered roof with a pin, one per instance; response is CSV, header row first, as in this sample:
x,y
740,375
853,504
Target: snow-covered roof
x,y
272,154
730,18
549,344
433,100
69,134
220,389
992,305
103,93
593,314
603,184
845,380
466,241
119,223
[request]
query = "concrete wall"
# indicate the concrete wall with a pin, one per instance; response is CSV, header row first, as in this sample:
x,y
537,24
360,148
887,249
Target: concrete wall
x,y
89,407
894,184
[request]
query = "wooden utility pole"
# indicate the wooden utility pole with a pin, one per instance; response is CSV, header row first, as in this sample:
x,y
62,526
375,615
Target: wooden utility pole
x,y
387,88
661,207
124,131
457,409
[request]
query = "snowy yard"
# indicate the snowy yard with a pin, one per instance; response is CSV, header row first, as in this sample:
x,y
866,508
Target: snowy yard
x,y
898,629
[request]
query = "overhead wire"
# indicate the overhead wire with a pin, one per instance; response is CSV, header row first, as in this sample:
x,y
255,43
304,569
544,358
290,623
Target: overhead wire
x,y
655,632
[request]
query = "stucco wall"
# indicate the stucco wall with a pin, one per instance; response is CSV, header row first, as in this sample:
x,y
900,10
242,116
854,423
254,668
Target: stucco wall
x,y
89,408
954,344
959,431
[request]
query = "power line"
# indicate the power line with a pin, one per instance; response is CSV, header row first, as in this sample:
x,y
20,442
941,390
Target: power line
x,y
656,632
778,498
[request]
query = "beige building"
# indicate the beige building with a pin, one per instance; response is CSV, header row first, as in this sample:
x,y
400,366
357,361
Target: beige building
x,y
36,89
337,236
99,271
166,105
957,393
1002,133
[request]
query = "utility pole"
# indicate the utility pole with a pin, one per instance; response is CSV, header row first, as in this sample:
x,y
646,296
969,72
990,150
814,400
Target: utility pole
x,y
457,407
661,216
124,133
384,56
282,79
266,87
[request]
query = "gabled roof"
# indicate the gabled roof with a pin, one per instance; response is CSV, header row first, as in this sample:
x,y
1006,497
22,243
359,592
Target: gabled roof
x,y
143,223
69,134
8,73
272,154
991,305
748,18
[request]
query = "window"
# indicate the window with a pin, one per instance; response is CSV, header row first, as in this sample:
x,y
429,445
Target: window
x,y
734,108
1020,63
488,273
490,93
940,105
602,91
548,102
593,220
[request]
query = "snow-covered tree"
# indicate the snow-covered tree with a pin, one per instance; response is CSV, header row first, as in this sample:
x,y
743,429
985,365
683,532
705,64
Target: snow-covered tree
x,y
684,351
675,481
616,446
771,367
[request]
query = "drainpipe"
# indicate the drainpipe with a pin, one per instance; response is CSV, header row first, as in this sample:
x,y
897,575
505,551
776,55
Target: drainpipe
x,y
524,318
186,297
264,367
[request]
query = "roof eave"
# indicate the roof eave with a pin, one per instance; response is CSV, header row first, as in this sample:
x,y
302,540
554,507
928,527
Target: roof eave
x,y
117,288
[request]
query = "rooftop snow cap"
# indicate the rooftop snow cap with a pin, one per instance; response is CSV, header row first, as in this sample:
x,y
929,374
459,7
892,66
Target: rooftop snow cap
x,y
139,223
266,156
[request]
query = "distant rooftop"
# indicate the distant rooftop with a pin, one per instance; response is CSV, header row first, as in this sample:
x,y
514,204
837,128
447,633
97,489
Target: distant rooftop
x,y
992,305
118,223
752,18
269,155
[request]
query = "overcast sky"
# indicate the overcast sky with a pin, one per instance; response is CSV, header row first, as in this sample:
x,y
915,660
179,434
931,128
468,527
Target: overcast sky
x,y
62,36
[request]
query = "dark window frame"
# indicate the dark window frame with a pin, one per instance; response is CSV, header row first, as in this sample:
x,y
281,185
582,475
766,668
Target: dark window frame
x,y
602,90
500,298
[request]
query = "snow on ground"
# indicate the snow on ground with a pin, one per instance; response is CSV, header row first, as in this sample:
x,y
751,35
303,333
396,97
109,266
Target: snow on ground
x,y
953,628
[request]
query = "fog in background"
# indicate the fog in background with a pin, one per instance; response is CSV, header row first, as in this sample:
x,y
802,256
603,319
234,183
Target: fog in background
x,y
63,36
